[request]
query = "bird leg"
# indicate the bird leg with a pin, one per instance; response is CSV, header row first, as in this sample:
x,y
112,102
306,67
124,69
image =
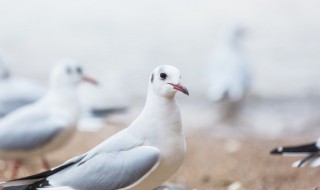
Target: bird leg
x,y
16,166
45,163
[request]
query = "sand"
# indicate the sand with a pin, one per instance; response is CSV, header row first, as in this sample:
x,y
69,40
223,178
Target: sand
x,y
211,162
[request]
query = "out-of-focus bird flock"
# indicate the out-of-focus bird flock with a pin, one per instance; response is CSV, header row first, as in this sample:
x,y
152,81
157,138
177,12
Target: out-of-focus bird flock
x,y
231,123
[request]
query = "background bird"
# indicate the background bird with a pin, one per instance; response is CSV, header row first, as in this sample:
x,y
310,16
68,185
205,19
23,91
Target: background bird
x,y
310,151
47,124
228,72
142,156
16,92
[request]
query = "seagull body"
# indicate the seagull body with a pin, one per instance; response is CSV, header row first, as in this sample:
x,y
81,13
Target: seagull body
x,y
311,152
140,157
24,133
48,123
229,71
229,76
16,92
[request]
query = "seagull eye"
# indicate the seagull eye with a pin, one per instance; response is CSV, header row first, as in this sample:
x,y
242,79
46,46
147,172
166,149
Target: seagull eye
x,y
163,76
79,70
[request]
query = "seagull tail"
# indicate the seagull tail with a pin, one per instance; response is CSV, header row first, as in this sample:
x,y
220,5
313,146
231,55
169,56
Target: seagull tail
x,y
24,184
312,160
305,149
35,181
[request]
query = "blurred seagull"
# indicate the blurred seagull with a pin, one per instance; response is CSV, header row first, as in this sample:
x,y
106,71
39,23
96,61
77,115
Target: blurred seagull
x,y
48,123
16,92
229,73
142,156
311,152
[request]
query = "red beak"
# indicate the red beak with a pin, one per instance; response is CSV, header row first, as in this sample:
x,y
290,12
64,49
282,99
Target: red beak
x,y
180,88
89,80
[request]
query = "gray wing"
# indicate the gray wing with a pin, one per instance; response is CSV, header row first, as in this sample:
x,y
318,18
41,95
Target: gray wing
x,y
109,171
16,93
24,134
9,106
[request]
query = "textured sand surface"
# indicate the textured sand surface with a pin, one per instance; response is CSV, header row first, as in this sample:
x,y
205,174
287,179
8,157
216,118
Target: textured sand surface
x,y
212,163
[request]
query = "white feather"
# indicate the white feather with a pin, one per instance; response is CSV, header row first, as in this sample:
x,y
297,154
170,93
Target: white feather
x,y
297,164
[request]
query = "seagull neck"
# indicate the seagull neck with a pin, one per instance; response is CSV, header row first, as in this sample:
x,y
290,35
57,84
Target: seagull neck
x,y
160,103
161,114
67,93
64,103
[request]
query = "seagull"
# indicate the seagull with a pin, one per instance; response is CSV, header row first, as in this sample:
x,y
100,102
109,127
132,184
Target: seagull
x,y
47,124
228,72
141,156
311,152
16,92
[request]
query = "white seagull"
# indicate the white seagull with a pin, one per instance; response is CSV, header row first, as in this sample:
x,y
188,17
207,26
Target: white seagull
x,y
140,157
229,71
47,124
311,152
229,74
16,92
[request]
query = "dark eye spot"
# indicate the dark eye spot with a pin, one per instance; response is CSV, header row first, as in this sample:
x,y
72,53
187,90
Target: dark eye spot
x,y
69,71
79,70
163,76
152,76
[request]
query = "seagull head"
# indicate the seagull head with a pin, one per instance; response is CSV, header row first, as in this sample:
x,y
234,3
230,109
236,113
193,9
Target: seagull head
x,y
235,32
69,72
165,81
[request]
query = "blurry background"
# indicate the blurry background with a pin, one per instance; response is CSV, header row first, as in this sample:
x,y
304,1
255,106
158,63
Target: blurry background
x,y
131,37
121,41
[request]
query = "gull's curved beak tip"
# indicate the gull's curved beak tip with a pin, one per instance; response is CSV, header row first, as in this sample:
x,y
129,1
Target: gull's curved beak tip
x,y
89,80
180,88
